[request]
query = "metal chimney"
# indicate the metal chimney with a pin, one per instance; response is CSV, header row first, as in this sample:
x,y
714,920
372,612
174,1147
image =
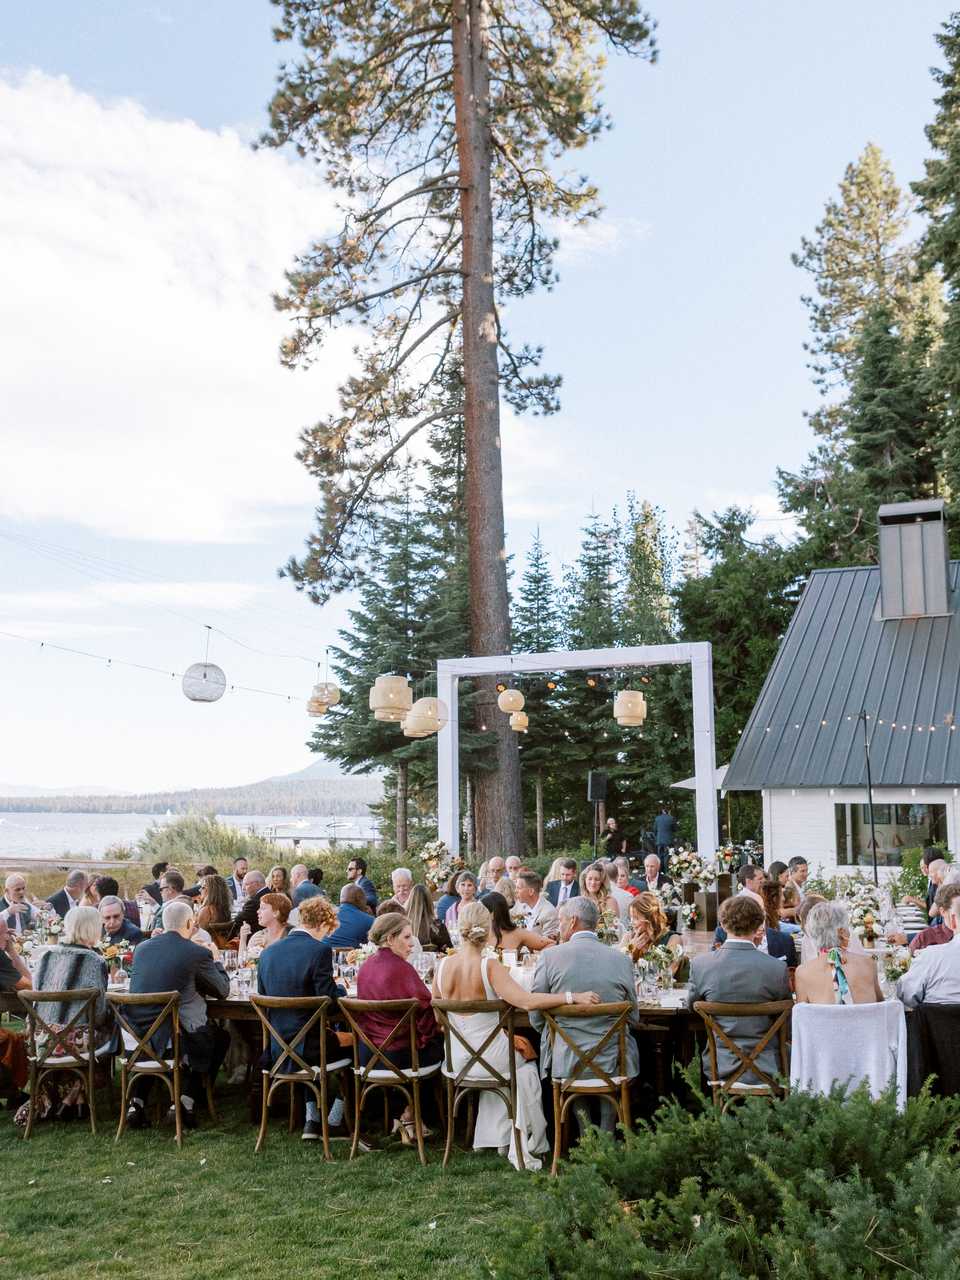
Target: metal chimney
x,y
914,560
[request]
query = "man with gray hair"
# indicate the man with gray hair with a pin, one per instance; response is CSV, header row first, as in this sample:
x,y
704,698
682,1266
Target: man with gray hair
x,y
14,907
254,888
172,961
71,895
116,926
583,963
402,881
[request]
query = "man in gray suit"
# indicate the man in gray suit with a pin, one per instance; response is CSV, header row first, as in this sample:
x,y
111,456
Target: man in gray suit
x,y
583,963
740,974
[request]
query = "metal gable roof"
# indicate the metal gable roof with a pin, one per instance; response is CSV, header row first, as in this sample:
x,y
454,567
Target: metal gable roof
x,y
838,658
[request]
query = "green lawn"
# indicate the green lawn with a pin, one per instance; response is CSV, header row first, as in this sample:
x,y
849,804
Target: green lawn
x,y
81,1206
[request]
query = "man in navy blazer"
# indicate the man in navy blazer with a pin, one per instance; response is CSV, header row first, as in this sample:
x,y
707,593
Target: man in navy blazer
x,y
173,962
71,895
235,882
357,874
353,922
562,890
301,964
779,945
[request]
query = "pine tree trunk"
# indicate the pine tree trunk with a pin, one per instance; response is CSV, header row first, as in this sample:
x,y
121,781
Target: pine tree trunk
x,y
539,794
401,809
498,802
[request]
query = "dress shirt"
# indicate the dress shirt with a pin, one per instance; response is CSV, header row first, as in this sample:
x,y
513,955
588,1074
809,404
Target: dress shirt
x,y
563,893
934,976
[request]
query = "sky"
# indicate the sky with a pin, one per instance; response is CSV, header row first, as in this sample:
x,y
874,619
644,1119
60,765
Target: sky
x,y
149,487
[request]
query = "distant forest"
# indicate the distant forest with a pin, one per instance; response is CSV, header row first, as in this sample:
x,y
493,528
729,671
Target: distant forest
x,y
326,797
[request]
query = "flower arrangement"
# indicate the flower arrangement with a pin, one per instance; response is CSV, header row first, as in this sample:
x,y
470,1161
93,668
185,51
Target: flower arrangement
x,y
24,943
896,964
609,929
661,958
55,926
359,954
439,863
518,915
725,858
863,902
685,865
688,915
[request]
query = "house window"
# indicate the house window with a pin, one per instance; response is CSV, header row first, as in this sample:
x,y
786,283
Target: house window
x,y
897,827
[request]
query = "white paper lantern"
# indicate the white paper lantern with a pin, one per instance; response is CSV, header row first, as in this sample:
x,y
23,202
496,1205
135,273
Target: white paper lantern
x,y
203,682
510,700
519,721
390,698
630,708
324,695
426,716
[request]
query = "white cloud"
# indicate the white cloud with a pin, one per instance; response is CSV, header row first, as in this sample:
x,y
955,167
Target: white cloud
x,y
770,520
142,396
599,236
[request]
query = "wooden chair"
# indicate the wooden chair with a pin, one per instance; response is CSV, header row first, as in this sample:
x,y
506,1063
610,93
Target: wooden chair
x,y
733,1086
290,1068
139,1058
379,1072
49,1052
477,1075
588,1078
220,932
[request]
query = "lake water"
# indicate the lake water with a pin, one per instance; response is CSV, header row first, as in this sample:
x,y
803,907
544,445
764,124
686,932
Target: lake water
x,y
42,835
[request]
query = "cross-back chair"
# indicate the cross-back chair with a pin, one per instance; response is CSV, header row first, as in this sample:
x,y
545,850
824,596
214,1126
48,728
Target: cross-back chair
x,y
53,1048
139,1057
734,1086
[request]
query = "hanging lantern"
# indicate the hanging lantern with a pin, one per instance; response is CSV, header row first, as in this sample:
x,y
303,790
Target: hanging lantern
x,y
630,708
519,721
204,682
390,698
426,716
324,695
510,700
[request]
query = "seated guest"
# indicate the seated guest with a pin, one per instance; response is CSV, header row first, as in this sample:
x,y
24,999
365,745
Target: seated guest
x,y
934,975
513,866
650,927
354,918
836,975
506,934
116,927
447,898
750,878
172,961
73,963
386,975
771,891
808,948
471,975
623,876
171,888
621,898
595,885
583,963
490,872
71,895
14,974
254,887
466,889
206,869
272,916
235,881
278,881
402,882
214,907
740,974
357,874
538,914
565,886
14,907
504,887
107,887
652,881
773,942
427,929
301,964
936,934
301,886
153,888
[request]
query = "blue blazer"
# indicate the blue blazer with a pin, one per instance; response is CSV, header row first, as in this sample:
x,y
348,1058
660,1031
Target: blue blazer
x,y
353,927
370,891
778,945
170,962
297,965
553,891
128,933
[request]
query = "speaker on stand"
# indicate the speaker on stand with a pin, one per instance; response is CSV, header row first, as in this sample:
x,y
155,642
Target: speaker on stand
x,y
596,795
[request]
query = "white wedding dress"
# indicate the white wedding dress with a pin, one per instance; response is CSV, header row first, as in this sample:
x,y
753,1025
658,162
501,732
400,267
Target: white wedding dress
x,y
493,1127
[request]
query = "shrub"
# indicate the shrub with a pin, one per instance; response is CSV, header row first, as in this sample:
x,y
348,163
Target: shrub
x,y
805,1189
195,839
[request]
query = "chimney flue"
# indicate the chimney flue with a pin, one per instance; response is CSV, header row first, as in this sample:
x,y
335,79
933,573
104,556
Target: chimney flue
x,y
914,560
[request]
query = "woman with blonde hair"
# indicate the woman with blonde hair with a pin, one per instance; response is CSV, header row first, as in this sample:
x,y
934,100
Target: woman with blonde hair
x,y
469,974
506,888
595,885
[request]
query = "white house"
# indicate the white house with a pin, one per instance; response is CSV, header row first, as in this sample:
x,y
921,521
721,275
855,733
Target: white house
x,y
870,661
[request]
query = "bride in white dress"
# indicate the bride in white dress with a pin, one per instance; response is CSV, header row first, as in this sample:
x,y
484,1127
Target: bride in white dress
x,y
469,975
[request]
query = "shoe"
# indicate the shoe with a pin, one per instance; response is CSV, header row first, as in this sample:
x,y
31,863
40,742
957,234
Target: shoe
x,y
188,1116
311,1131
137,1116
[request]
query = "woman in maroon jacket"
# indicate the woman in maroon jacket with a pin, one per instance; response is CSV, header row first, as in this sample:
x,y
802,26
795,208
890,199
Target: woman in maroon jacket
x,y
388,976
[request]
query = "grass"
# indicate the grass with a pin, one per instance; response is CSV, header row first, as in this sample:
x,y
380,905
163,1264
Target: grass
x,y
82,1206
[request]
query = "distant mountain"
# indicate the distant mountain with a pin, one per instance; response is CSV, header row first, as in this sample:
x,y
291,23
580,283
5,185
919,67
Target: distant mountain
x,y
8,789
318,790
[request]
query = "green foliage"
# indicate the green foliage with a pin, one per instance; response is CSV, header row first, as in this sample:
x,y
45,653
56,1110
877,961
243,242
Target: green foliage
x,y
811,1188
203,839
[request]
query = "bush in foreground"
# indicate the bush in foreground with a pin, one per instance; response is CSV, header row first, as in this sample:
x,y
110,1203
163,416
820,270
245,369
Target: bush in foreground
x,y
804,1189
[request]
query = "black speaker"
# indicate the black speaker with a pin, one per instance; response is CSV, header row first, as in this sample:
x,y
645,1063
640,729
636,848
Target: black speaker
x,y
596,786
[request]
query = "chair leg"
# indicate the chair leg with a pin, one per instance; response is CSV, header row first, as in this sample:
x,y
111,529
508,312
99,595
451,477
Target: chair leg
x,y
178,1118
91,1097
264,1112
386,1111
123,1102
31,1111
324,1121
291,1103
211,1108
417,1121
358,1107
625,1120
449,1145
557,1128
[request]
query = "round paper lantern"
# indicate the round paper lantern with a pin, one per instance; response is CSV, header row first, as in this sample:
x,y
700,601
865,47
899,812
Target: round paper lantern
x,y
203,682
324,695
519,721
630,708
390,698
510,700
426,716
